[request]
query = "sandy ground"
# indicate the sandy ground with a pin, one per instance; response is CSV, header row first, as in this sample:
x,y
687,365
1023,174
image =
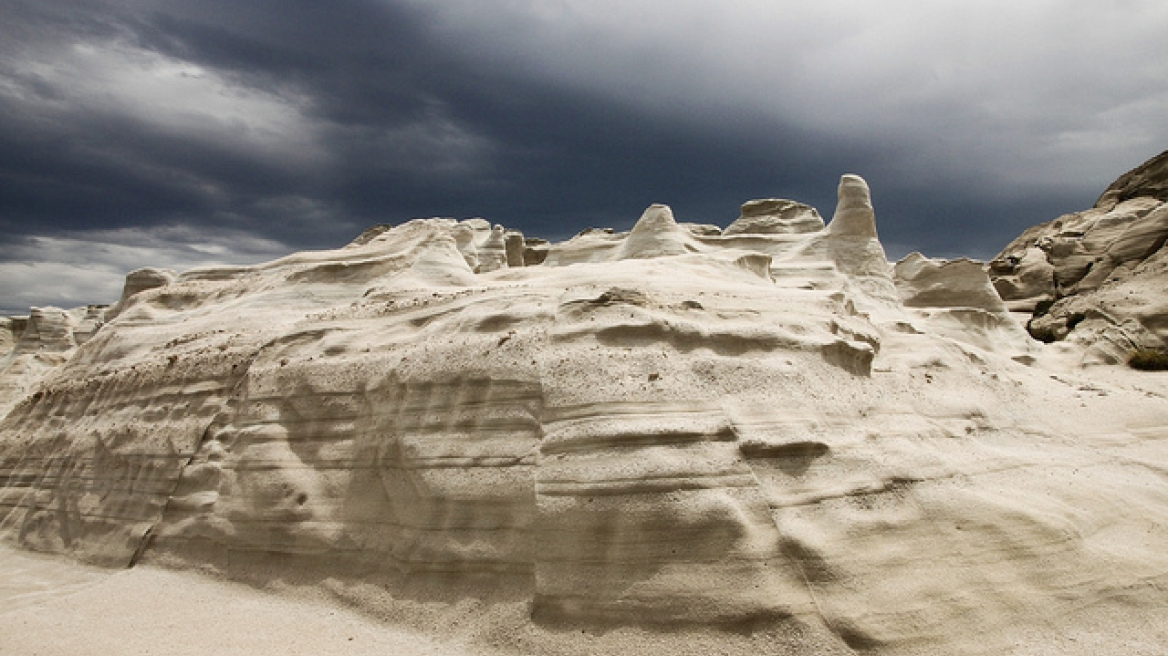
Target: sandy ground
x,y
50,606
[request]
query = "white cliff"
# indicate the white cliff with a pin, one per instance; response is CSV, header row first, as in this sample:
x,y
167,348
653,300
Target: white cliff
x,y
767,431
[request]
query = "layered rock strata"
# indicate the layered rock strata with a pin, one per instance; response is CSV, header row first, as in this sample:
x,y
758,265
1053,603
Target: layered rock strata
x,y
666,427
32,346
1093,278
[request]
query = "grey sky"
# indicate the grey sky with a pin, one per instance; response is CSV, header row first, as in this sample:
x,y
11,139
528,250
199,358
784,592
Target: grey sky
x,y
177,134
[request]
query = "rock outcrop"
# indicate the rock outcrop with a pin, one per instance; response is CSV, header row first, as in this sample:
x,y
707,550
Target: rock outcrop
x,y
1148,180
1091,278
656,234
31,347
663,428
962,283
955,298
10,331
775,216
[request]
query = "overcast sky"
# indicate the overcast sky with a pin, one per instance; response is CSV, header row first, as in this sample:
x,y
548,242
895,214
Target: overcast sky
x,y
178,133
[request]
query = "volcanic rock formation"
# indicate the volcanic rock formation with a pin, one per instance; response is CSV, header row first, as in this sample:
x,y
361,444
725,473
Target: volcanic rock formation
x,y
675,426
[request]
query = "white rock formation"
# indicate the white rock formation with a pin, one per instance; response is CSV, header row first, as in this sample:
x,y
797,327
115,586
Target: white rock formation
x,y
1092,279
923,282
775,216
493,252
854,216
138,281
10,330
956,299
763,431
850,242
31,347
656,234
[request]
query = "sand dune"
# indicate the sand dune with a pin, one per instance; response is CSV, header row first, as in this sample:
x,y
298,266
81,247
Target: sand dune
x,y
762,440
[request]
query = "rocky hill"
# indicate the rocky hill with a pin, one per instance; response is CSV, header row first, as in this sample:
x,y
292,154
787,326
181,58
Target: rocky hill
x,y
763,431
1096,279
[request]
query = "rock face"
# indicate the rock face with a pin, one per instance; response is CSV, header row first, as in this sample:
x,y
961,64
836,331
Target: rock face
x,y
854,216
923,282
955,298
776,216
1090,278
667,427
31,347
656,234
1148,180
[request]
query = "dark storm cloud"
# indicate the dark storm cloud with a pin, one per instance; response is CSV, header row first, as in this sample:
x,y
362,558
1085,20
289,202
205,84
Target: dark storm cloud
x,y
235,130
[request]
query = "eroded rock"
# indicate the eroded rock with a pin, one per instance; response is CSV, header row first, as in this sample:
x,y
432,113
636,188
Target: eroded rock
x,y
1089,277
776,216
668,427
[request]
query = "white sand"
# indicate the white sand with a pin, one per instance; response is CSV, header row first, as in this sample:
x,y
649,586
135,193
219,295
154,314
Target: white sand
x,y
50,606
53,606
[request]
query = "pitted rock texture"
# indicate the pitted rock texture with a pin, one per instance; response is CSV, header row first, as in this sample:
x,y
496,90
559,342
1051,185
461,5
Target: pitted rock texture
x,y
663,428
1094,278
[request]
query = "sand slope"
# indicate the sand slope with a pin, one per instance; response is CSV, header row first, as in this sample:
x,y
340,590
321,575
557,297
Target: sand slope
x,y
54,608
767,440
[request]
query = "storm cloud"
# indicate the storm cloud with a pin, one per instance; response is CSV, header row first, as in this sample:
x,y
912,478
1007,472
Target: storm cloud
x,y
179,134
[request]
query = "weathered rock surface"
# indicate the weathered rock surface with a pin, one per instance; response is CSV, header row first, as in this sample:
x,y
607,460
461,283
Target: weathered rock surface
x,y
924,282
31,347
1095,278
955,298
1148,180
667,427
775,216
